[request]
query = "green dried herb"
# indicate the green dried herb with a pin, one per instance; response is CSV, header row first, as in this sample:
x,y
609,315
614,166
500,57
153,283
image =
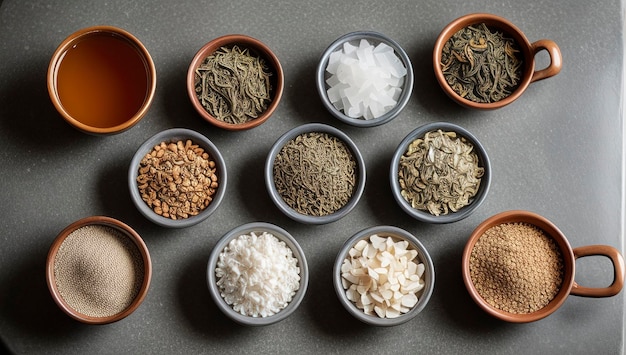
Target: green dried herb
x,y
481,65
439,173
233,85
315,174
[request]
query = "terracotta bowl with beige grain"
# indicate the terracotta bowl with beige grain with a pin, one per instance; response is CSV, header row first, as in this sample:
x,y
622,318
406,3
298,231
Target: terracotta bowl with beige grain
x,y
569,256
83,270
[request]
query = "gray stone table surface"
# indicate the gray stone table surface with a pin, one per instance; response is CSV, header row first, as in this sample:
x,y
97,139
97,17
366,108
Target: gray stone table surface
x,y
557,151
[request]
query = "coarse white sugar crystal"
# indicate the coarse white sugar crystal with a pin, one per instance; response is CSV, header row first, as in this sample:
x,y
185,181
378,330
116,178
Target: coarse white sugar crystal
x,y
382,276
257,274
382,48
348,48
333,61
365,81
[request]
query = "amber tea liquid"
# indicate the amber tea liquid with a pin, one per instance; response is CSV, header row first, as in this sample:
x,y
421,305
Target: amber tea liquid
x,y
102,80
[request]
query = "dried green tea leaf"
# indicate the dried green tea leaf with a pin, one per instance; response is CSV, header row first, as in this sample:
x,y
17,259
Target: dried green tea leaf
x,y
439,173
233,85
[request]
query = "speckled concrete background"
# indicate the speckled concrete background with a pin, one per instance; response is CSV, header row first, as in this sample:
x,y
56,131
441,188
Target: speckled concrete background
x,y
557,151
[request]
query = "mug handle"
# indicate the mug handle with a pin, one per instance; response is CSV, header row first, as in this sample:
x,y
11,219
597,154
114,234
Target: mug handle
x,y
618,271
556,61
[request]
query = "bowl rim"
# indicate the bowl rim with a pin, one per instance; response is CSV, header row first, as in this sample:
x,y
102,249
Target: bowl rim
x,y
80,35
169,135
407,88
423,255
261,49
495,21
464,212
130,234
282,205
552,231
297,252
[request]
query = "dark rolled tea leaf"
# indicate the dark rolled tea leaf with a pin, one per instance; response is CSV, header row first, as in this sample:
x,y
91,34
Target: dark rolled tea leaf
x,y
481,64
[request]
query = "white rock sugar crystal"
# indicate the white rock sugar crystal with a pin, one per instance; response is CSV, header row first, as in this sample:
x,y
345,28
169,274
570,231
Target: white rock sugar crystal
x,y
257,274
365,81
383,277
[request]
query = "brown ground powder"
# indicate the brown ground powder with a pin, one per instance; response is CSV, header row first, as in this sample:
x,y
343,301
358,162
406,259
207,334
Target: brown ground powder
x,y
516,267
98,270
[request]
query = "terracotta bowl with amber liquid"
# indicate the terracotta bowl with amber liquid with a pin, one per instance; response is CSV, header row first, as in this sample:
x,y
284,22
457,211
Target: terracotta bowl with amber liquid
x,y
101,80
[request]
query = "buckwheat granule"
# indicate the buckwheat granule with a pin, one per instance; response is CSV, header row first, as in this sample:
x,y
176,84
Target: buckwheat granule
x,y
516,267
177,180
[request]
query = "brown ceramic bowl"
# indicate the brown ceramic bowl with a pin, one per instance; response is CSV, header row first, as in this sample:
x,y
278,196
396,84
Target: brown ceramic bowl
x,y
144,268
119,88
568,286
528,50
256,48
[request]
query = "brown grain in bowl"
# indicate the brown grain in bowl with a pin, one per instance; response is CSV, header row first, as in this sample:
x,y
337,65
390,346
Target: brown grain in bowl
x,y
177,179
516,267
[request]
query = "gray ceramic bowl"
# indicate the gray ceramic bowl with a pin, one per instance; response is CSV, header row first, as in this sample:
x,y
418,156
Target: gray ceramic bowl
x,y
278,200
173,135
373,38
426,216
423,256
282,235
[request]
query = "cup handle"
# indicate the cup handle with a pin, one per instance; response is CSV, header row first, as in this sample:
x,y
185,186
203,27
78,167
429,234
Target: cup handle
x,y
618,271
556,61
